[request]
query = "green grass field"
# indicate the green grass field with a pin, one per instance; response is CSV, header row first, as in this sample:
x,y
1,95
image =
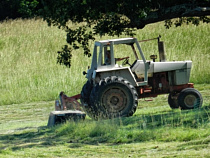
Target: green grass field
x,y
30,81
154,131
28,51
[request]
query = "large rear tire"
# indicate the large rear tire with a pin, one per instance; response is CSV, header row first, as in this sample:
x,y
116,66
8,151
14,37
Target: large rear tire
x,y
190,98
114,97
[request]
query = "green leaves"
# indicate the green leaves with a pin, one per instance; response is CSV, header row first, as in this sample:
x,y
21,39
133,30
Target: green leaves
x,y
117,17
28,8
76,38
112,24
64,56
186,20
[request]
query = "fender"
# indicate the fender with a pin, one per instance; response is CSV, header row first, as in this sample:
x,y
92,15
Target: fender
x,y
124,72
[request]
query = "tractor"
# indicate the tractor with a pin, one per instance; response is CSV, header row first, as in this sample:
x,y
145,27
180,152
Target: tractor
x,y
113,89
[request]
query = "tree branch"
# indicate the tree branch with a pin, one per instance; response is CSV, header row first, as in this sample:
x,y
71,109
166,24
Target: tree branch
x,y
184,10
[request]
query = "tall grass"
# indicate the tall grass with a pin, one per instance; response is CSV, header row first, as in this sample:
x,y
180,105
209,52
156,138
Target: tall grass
x,y
172,126
29,71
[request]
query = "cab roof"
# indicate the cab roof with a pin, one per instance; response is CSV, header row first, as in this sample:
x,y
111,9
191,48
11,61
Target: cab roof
x,y
116,41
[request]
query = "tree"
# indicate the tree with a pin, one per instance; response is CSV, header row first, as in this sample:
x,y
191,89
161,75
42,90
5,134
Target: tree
x,y
11,9
116,17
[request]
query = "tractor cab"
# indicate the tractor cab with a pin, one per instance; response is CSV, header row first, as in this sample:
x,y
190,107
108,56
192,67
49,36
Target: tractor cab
x,y
105,60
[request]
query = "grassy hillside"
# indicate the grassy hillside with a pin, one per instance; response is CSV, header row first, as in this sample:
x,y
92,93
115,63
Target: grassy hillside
x,y
28,58
30,79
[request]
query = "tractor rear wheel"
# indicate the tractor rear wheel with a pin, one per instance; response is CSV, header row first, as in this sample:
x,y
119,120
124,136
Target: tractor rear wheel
x,y
85,100
114,97
190,98
172,101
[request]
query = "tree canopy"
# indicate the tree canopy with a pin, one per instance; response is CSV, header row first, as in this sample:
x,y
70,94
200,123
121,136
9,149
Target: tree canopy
x,y
116,17
112,17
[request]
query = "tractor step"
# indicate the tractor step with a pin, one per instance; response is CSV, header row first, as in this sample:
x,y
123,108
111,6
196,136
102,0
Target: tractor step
x,y
147,91
58,117
148,99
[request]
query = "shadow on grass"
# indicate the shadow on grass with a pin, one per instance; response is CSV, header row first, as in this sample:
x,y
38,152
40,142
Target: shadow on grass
x,y
99,133
26,139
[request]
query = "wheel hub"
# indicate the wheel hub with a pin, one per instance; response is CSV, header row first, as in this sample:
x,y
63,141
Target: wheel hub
x,y
190,100
114,100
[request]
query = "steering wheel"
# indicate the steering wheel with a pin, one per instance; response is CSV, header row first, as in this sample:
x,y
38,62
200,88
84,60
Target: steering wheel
x,y
125,60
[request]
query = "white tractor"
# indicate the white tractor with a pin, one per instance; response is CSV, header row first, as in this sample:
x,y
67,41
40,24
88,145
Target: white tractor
x,y
112,89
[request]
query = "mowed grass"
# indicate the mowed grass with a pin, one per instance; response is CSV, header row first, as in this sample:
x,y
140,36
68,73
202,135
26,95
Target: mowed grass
x,y
154,131
30,81
28,51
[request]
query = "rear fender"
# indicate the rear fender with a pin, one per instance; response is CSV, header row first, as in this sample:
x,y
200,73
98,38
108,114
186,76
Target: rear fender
x,y
124,72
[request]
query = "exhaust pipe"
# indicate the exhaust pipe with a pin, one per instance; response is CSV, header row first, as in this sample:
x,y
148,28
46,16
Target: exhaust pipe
x,y
161,49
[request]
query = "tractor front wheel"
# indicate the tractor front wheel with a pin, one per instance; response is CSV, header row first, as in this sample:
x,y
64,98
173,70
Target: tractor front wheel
x,y
85,100
114,97
190,98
